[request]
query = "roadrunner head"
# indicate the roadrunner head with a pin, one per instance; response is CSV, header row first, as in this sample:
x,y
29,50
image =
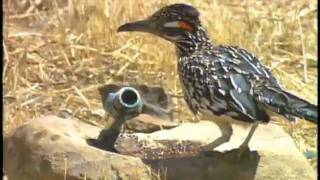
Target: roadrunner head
x,y
177,23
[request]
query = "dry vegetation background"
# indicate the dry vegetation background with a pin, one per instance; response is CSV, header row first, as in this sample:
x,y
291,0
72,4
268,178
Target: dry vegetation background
x,y
57,53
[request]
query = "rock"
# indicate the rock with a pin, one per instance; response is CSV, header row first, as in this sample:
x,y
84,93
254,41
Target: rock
x,y
147,124
175,153
54,148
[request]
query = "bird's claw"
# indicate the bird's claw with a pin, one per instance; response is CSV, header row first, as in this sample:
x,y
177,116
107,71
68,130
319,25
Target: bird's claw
x,y
207,153
205,150
242,152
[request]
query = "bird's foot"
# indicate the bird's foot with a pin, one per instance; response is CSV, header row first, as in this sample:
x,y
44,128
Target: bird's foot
x,y
242,151
205,150
206,154
196,118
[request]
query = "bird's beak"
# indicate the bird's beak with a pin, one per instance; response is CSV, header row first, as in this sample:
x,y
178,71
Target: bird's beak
x,y
141,26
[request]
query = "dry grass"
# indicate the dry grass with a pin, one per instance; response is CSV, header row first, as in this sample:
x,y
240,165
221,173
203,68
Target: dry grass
x,y
57,53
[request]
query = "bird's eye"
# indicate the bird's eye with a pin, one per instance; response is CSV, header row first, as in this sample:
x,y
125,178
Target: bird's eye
x,y
179,24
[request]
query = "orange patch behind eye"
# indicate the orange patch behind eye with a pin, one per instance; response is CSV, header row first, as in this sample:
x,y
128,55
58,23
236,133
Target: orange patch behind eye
x,y
185,25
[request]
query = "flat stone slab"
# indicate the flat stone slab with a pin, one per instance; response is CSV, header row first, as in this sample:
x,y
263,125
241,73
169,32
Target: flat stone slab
x,y
175,152
55,148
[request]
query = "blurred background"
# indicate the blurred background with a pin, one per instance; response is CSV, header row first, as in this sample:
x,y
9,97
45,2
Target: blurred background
x,y
57,53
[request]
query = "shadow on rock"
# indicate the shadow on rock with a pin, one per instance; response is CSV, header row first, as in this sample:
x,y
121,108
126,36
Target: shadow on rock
x,y
198,166
208,165
105,140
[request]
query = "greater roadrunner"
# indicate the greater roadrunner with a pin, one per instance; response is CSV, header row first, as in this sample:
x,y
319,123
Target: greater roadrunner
x,y
226,83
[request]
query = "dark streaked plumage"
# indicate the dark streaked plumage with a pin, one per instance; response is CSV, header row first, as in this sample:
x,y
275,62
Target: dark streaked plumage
x,y
221,81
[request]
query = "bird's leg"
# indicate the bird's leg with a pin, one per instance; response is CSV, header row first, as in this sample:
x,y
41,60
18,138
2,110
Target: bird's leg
x,y
226,133
245,145
196,118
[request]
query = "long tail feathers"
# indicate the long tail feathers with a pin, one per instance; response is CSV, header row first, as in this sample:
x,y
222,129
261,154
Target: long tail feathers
x,y
287,104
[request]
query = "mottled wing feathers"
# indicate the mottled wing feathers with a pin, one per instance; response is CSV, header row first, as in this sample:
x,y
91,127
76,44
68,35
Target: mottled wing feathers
x,y
238,70
220,82
243,62
228,80
234,89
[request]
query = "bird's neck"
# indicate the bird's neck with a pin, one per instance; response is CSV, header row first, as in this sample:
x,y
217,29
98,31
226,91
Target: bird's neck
x,y
196,42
